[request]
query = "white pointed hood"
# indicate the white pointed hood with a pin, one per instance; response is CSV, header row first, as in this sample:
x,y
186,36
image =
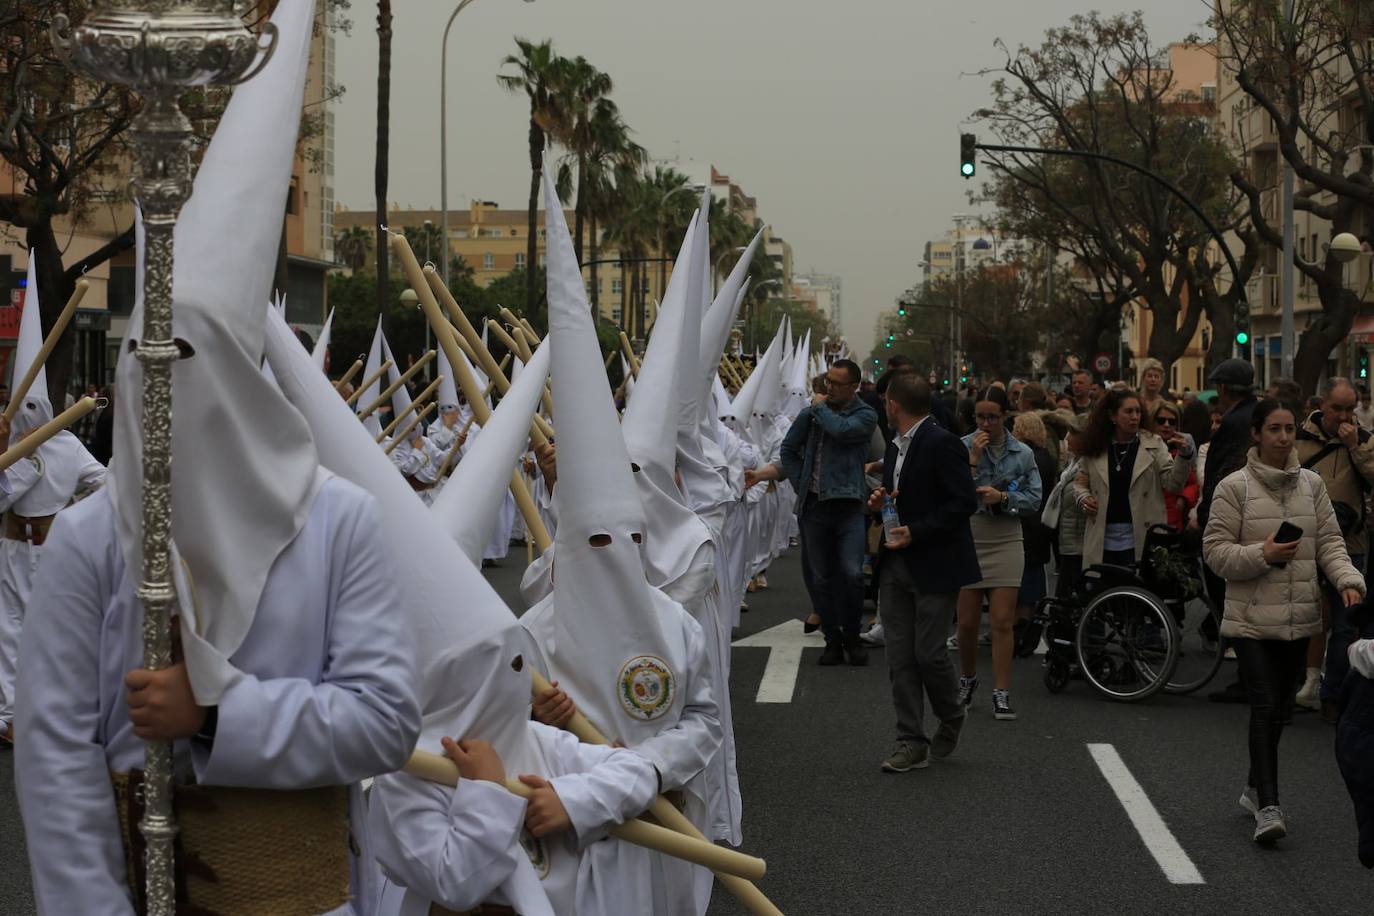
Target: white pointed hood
x,y
37,408
400,398
375,358
650,427
320,355
468,504
742,408
608,645
448,388
228,534
715,329
700,461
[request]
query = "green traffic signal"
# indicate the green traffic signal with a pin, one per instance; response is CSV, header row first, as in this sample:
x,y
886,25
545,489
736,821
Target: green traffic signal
x,y
1242,338
887,345
968,146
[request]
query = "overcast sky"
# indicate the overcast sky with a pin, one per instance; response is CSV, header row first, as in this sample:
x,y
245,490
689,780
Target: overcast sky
x,y
842,119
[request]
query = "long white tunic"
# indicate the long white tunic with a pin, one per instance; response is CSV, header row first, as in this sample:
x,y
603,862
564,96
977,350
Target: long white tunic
x,y
680,751
327,697
464,847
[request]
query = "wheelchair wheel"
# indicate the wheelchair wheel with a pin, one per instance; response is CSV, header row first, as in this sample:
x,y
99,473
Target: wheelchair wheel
x,y
1200,650
1057,674
1127,643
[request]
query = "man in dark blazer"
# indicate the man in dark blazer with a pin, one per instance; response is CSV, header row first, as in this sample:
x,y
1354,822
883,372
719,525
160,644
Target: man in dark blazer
x,y
923,564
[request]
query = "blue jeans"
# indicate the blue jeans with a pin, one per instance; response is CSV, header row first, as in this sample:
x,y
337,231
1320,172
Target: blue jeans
x,y
832,543
1339,640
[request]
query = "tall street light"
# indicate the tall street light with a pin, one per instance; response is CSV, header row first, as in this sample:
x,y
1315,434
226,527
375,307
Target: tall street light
x,y
662,231
443,133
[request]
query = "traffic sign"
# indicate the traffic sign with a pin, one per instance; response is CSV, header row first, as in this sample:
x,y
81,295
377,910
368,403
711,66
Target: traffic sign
x,y
1103,362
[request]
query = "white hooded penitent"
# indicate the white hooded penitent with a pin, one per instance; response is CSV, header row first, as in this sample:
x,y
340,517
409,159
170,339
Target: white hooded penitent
x,y
36,408
607,642
469,651
245,471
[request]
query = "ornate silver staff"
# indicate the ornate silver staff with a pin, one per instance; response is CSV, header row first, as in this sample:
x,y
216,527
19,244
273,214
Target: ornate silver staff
x,y
160,52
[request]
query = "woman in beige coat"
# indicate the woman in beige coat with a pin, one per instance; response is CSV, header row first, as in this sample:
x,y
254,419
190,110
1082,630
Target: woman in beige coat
x,y
1273,596
1126,469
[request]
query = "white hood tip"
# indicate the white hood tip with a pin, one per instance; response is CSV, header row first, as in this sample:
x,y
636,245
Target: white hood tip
x,y
467,505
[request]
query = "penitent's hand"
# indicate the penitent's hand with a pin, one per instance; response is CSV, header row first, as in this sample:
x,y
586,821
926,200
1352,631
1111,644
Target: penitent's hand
x,y
554,707
476,760
161,705
544,811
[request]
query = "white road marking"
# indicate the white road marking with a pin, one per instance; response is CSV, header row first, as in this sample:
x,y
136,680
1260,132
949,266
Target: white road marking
x,y
785,643
1158,839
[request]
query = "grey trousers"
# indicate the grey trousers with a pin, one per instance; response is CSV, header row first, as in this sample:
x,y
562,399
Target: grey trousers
x,y
918,665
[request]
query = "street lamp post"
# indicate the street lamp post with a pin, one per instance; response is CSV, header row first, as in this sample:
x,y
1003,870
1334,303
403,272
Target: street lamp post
x,y
715,271
429,235
443,132
662,231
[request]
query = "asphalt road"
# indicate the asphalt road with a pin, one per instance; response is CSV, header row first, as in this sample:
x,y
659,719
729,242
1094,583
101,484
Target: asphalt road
x,y
1020,820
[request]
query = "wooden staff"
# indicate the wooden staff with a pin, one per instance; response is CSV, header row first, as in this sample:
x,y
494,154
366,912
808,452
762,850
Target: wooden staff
x,y
518,339
629,354
607,361
665,812
457,443
60,325
414,405
410,426
514,321
730,376
348,376
426,287
30,443
392,388
367,383
439,769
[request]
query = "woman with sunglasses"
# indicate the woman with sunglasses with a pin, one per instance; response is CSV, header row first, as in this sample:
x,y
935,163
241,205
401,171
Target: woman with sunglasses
x,y
1008,486
1177,503
1126,469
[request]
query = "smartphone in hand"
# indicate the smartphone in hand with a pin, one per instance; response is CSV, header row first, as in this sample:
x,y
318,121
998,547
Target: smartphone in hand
x,y
1287,534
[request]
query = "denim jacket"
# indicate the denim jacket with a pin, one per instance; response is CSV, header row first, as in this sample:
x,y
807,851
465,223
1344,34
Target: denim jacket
x,y
846,434
1017,466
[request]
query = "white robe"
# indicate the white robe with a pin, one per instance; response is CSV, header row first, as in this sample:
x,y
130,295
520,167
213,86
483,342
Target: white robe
x,y
327,697
463,847
680,751
38,486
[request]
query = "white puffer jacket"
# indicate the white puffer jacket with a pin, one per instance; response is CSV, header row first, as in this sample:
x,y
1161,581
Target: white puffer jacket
x,y
1263,601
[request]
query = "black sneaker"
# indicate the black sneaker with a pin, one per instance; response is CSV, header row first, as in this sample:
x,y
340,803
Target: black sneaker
x,y
857,652
968,685
833,654
1001,706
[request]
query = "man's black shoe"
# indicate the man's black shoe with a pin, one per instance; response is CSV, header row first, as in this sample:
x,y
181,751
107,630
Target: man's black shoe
x,y
858,654
833,654
1232,693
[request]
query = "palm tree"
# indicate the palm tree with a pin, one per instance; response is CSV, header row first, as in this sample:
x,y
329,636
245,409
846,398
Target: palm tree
x,y
583,90
632,223
383,146
538,72
669,195
353,245
610,150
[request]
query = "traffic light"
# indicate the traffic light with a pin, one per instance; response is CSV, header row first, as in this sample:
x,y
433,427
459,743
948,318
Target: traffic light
x,y
1364,364
946,383
891,337
968,144
963,375
887,345
1242,323
901,310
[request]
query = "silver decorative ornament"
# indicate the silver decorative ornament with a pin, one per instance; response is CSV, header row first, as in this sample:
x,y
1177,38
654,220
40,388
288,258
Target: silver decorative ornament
x,y
160,49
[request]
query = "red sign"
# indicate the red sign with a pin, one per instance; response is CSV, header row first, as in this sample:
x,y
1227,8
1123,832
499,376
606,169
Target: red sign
x,y
9,315
1103,362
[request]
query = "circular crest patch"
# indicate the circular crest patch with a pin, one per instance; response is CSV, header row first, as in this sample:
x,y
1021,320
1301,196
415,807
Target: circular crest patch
x,y
536,853
646,687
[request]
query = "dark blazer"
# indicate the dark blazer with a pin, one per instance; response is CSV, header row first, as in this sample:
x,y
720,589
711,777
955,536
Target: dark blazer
x,y
935,499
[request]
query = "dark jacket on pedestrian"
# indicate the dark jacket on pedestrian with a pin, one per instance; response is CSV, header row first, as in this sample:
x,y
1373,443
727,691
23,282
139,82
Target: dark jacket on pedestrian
x,y
935,498
102,441
1226,454
841,437
1355,757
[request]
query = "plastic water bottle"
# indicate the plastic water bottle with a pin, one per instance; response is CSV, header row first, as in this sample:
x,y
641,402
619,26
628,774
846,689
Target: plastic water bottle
x,y
890,519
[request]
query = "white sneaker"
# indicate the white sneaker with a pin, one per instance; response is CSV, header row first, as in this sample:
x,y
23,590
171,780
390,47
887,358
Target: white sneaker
x,y
873,637
1269,825
1249,800
1309,695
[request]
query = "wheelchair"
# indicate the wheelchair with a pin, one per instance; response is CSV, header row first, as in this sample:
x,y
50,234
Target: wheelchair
x,y
1131,631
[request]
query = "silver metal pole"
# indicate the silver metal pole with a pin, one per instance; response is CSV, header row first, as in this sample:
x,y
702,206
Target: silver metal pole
x,y
443,136
160,54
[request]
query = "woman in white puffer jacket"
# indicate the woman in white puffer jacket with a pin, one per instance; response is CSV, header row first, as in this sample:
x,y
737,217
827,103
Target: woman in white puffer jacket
x,y
1273,595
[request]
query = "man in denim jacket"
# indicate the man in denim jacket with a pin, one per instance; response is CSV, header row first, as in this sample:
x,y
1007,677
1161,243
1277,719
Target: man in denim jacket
x,y
823,456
